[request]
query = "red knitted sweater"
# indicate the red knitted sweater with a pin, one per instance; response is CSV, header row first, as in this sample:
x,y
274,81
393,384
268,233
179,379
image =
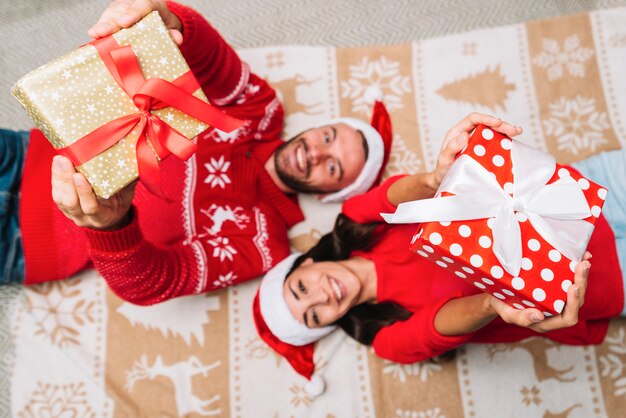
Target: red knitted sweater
x,y
423,288
216,230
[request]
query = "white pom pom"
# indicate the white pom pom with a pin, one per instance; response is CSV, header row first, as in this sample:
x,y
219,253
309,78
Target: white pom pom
x,y
373,94
315,387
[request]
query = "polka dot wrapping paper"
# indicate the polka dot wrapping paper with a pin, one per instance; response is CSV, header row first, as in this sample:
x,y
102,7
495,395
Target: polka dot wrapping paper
x,y
466,247
76,94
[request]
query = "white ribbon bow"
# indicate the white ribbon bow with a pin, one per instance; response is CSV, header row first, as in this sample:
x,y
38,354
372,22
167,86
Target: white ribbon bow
x,y
555,210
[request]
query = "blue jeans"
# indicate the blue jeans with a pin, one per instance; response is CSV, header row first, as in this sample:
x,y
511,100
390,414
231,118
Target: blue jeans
x,y
609,170
12,153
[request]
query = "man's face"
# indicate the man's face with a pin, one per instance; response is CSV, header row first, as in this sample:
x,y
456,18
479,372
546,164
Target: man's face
x,y
321,160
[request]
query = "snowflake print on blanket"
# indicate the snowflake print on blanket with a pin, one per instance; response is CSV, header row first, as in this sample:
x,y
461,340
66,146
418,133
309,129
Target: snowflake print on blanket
x,y
577,124
572,57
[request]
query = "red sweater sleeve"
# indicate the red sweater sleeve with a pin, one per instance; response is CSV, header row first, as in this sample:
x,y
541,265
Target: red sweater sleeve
x,y
367,207
218,69
416,338
142,273
225,79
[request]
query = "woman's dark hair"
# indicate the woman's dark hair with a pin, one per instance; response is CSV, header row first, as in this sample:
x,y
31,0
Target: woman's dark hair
x,y
362,322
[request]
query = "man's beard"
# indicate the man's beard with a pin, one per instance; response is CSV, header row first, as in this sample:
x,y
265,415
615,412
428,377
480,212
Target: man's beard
x,y
300,186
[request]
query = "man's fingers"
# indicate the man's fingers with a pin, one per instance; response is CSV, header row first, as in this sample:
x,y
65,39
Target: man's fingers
x,y
120,14
87,198
176,36
63,188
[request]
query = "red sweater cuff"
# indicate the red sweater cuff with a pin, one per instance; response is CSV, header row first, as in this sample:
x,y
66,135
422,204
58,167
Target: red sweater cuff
x,y
116,241
367,207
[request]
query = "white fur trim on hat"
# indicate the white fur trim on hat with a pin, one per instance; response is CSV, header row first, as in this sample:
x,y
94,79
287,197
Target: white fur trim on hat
x,y
369,173
276,313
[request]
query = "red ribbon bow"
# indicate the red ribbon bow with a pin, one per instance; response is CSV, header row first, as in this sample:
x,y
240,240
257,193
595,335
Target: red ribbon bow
x,y
147,95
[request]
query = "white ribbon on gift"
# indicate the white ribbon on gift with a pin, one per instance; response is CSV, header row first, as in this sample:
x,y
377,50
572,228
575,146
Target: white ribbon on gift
x,y
555,210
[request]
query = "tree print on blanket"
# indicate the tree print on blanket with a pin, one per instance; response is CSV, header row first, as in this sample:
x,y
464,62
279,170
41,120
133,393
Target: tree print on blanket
x,y
382,74
48,400
577,125
60,311
571,58
487,88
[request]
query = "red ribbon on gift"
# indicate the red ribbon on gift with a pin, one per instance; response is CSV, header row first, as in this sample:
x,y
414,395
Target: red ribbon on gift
x,y
147,95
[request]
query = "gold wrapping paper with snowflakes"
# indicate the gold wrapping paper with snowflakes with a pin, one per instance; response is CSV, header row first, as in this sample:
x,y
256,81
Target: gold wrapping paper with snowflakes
x,y
76,94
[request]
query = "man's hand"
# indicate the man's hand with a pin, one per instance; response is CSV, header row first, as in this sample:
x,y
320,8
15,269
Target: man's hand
x,y
125,13
457,137
534,319
77,200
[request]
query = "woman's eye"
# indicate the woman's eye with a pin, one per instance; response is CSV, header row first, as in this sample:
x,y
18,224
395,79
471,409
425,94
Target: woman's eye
x,y
301,287
326,138
331,168
316,319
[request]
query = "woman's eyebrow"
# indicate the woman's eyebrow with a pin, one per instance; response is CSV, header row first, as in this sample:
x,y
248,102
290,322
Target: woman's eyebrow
x,y
293,293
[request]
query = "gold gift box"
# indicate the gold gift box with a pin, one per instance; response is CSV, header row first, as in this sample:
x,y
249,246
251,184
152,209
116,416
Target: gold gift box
x,y
75,94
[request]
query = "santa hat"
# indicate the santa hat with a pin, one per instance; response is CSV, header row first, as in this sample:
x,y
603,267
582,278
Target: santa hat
x,y
277,326
378,136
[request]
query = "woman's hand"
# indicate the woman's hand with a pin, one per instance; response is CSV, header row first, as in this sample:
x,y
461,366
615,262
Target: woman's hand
x,y
534,319
457,137
76,199
424,185
125,13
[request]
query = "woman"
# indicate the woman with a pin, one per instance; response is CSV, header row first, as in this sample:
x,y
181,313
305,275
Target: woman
x,y
362,278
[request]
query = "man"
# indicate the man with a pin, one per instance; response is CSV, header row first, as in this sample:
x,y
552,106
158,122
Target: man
x,y
228,209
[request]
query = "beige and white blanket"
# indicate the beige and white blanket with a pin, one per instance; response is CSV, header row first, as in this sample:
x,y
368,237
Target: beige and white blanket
x,y
76,350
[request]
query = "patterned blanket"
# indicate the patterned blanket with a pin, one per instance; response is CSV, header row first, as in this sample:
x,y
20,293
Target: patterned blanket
x,y
72,348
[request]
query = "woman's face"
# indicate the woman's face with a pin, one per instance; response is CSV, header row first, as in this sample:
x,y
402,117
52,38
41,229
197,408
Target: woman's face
x,y
318,294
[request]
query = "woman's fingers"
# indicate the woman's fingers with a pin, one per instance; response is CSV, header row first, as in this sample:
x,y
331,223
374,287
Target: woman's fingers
x,y
468,123
519,317
581,274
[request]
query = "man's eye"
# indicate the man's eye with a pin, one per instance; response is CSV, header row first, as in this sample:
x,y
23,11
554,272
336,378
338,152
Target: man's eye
x,y
326,138
301,287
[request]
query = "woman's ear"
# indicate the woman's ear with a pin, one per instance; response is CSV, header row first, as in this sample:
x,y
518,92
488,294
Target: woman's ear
x,y
307,262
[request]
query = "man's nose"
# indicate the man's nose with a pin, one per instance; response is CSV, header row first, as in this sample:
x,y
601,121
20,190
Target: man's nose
x,y
317,154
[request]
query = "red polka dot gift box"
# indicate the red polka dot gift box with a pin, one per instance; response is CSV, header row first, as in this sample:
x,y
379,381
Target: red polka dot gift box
x,y
509,220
